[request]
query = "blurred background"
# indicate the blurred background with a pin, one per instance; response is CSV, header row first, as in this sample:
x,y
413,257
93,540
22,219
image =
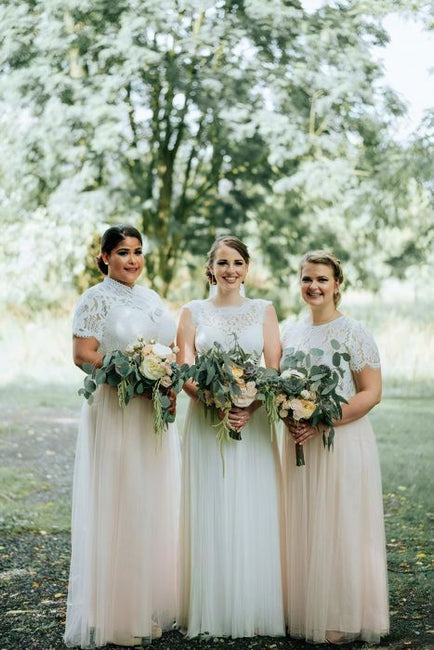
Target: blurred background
x,y
294,125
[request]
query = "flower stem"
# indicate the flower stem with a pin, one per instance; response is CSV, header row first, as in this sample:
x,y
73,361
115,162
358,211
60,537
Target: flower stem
x,y
299,455
234,434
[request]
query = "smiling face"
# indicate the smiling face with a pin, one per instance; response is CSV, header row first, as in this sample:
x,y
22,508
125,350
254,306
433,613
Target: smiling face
x,y
125,261
318,285
228,268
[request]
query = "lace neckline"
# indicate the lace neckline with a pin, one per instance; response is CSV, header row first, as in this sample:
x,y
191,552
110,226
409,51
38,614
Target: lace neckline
x,y
229,307
118,287
328,323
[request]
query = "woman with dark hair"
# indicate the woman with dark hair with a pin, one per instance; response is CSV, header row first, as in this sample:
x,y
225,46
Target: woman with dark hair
x,y
231,582
336,552
123,576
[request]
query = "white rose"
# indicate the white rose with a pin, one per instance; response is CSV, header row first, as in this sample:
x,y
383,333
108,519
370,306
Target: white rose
x,y
291,372
152,368
161,351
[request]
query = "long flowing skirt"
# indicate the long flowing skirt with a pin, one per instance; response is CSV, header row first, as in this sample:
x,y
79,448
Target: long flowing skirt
x,y
231,578
125,518
336,551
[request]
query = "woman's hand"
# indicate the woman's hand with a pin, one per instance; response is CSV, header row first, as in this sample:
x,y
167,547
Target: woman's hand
x,y
85,350
238,417
301,431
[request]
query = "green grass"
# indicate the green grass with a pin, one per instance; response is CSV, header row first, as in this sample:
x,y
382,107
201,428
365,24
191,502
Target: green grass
x,y
28,503
25,394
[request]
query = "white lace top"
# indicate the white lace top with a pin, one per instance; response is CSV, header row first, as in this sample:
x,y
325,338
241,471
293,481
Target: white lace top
x,y
219,324
116,315
352,336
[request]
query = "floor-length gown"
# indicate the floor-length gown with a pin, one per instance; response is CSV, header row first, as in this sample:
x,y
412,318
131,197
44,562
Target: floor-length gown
x,y
336,552
231,583
125,514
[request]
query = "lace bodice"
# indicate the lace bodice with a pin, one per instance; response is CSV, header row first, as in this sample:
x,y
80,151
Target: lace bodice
x,y
116,315
219,324
353,337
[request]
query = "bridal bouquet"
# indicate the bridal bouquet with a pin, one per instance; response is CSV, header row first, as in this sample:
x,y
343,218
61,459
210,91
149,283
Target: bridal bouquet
x,y
306,390
143,368
225,379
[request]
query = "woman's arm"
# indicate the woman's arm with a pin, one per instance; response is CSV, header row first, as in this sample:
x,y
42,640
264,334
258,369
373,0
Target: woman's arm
x,y
272,347
368,387
185,337
85,351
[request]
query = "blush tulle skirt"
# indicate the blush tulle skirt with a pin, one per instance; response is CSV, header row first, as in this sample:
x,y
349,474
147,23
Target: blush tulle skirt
x,y
336,576
125,515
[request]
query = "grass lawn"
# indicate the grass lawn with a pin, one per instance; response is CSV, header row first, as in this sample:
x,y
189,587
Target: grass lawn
x,y
37,442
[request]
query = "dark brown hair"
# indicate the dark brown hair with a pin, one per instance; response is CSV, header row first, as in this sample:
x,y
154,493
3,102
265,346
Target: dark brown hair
x,y
111,238
226,240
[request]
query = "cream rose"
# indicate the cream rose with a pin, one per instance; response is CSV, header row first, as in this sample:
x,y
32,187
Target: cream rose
x,y
237,372
166,381
248,394
302,408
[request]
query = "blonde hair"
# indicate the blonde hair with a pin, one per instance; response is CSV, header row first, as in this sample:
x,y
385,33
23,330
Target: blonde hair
x,y
324,257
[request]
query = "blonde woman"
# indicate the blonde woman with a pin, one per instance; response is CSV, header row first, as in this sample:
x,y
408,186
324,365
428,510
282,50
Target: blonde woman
x,y
336,574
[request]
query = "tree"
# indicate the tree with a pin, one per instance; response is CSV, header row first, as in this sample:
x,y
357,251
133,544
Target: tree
x,y
192,118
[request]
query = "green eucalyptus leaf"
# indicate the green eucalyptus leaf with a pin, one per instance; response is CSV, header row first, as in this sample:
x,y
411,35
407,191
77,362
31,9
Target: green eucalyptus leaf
x,y
165,401
88,368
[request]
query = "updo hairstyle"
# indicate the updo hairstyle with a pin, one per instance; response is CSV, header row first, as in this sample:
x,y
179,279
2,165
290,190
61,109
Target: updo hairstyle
x,y
111,238
330,260
226,240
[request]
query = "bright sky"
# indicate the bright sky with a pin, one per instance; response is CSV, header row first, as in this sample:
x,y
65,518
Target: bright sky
x,y
407,60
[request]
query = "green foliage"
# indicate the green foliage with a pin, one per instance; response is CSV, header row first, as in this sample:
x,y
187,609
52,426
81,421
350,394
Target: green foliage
x,y
224,379
306,390
191,119
144,369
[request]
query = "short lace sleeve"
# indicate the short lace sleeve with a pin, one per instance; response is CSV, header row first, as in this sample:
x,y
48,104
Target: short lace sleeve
x,y
362,348
89,315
